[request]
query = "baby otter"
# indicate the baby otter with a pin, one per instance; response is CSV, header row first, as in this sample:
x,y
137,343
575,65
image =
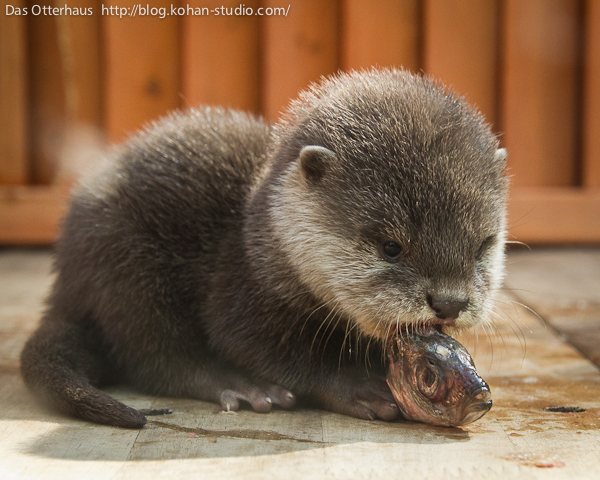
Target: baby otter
x,y
223,259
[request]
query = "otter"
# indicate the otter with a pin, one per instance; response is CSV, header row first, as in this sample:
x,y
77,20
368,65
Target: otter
x,y
224,259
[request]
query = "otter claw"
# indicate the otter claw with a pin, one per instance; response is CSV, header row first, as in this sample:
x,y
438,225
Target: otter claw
x,y
260,400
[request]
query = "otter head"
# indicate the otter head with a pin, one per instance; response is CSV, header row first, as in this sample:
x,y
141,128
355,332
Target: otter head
x,y
390,202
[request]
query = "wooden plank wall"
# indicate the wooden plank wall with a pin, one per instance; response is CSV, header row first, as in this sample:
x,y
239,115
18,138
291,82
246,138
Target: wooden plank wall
x,y
13,101
532,68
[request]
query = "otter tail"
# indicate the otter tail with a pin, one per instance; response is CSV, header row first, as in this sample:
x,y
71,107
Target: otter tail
x,y
60,362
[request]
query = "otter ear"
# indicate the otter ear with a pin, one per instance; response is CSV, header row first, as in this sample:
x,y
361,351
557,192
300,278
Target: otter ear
x,y
500,155
314,161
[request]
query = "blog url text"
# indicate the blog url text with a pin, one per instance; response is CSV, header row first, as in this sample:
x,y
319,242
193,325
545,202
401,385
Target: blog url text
x,y
147,10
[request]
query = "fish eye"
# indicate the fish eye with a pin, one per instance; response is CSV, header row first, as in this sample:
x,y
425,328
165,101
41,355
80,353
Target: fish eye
x,y
391,251
428,379
431,380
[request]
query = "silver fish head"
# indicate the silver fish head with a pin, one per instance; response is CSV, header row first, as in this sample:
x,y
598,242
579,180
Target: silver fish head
x,y
433,379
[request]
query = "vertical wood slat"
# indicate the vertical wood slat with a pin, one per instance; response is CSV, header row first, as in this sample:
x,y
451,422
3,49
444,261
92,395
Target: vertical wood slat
x,y
65,82
79,46
591,102
13,98
220,63
380,33
461,47
540,109
47,95
141,58
297,50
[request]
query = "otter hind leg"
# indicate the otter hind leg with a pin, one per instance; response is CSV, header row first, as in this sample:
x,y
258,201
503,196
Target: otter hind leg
x,y
209,379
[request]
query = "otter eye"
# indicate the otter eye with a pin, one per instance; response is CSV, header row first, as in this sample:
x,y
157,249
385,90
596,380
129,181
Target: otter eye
x,y
391,251
484,246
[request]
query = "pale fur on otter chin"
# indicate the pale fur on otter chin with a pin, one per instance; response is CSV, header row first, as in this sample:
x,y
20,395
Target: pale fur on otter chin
x,y
339,274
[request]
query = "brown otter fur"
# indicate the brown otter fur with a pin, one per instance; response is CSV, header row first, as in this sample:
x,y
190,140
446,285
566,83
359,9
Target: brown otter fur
x,y
225,260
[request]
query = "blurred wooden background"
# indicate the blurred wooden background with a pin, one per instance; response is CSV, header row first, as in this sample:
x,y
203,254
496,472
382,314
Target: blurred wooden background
x,y
532,67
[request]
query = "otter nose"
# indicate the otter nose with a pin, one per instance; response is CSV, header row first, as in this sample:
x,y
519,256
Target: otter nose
x,y
446,307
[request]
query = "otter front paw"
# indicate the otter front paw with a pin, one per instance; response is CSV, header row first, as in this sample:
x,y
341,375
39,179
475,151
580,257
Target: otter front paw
x,y
366,398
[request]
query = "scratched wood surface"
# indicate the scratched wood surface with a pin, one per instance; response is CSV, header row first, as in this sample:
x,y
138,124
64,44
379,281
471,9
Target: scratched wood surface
x,y
527,363
563,286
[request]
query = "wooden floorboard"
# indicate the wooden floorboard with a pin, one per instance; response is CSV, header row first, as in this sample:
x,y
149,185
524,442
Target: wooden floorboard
x,y
563,287
527,363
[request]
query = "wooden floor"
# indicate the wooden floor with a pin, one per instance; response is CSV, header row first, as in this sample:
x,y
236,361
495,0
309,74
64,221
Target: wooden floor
x,y
530,362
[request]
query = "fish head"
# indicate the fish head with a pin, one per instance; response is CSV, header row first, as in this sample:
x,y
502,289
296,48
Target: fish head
x,y
434,380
